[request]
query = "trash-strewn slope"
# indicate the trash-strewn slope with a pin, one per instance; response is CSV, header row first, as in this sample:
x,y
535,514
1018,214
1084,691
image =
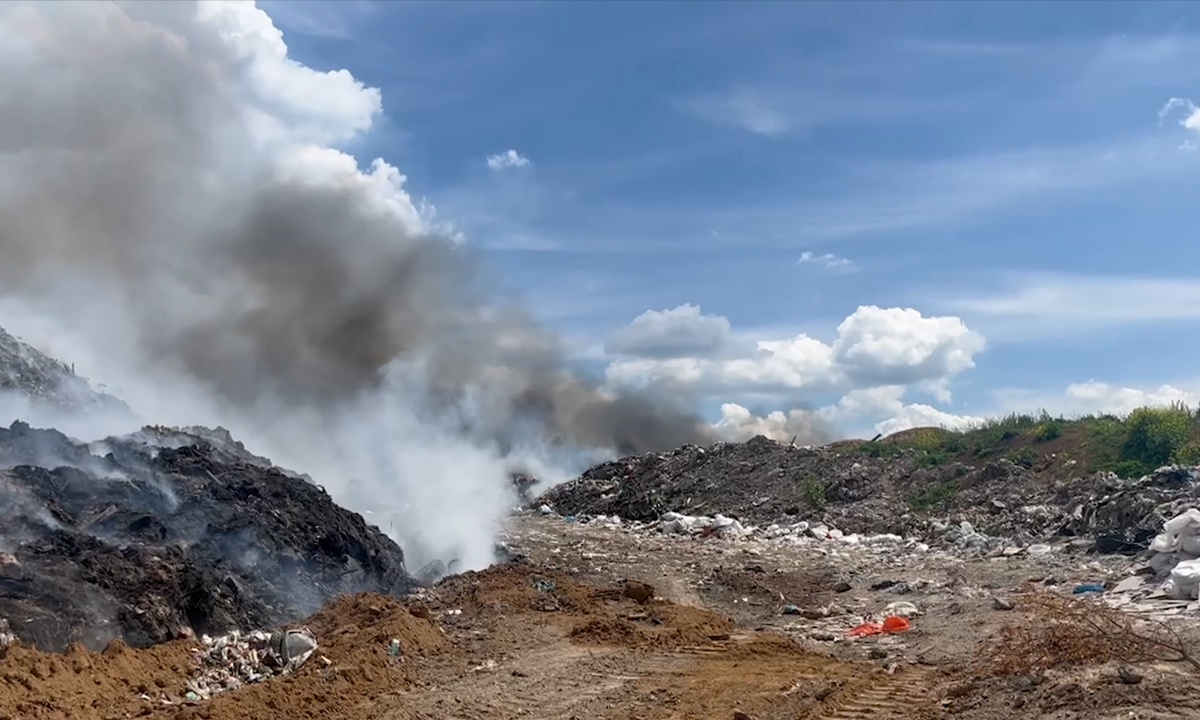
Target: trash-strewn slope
x,y
858,488
27,371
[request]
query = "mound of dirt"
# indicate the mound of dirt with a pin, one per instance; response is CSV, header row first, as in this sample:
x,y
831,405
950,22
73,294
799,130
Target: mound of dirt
x,y
166,533
663,626
355,665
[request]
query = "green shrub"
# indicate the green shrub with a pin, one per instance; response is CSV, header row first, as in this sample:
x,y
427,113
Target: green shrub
x,y
879,450
931,459
1188,454
1129,468
1155,434
1048,430
928,440
814,491
935,496
1025,457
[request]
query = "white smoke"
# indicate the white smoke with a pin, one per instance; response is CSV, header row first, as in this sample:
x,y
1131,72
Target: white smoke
x,y
176,218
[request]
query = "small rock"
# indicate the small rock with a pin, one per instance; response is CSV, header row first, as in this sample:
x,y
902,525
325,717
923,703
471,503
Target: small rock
x,y
790,610
999,603
822,636
824,693
884,584
842,587
739,715
815,613
877,653
1128,676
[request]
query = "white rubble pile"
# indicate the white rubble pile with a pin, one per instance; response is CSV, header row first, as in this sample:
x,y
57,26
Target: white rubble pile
x,y
231,661
673,523
964,537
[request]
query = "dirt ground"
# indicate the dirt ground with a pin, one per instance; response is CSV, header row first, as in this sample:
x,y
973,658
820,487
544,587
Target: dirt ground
x,y
599,623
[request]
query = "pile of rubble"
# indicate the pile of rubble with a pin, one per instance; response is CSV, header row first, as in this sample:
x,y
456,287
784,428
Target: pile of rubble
x,y
762,483
169,533
230,661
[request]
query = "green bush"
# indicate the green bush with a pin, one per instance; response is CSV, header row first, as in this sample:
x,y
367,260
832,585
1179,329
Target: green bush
x,y
931,459
1025,457
1048,430
1154,435
1129,468
1188,454
929,440
879,450
814,491
936,496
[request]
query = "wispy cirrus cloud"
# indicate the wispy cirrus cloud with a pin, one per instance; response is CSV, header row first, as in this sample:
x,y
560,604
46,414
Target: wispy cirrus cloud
x,y
1041,306
828,261
775,112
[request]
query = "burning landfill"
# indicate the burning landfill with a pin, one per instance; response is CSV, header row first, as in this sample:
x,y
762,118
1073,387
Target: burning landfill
x,y
194,573
253,297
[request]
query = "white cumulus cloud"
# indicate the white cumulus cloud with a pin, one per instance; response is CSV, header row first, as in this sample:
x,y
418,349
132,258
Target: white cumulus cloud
x,y
804,426
677,333
507,159
874,346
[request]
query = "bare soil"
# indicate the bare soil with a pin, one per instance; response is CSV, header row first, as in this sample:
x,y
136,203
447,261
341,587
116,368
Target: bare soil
x,y
569,631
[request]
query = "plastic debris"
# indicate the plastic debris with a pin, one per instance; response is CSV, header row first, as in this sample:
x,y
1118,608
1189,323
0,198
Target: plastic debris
x,y
231,661
896,624
901,610
1088,589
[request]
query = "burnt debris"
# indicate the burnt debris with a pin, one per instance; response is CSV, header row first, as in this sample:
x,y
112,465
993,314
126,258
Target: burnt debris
x,y
169,533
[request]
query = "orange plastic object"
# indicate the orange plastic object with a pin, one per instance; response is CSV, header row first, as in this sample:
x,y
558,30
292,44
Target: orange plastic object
x,y
895,624
867,628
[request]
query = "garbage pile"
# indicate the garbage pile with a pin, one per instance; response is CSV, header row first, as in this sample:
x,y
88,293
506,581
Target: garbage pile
x,y
975,509
170,533
26,371
1177,553
230,661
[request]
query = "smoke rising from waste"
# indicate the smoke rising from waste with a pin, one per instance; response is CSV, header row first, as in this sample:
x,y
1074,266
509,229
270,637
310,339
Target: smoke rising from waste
x,y
172,197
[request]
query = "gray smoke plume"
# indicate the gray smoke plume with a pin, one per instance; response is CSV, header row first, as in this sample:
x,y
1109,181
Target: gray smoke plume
x,y
172,200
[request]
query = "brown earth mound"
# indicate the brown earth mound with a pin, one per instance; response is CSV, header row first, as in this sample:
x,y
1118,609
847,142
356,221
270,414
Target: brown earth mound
x,y
354,634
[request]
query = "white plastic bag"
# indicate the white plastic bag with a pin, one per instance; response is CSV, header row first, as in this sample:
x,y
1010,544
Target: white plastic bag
x,y
1185,581
1186,524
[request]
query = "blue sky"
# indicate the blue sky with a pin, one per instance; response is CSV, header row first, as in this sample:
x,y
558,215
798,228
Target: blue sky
x,y
1002,169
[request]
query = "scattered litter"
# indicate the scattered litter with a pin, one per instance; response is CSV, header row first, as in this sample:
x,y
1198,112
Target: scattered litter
x,y
1088,589
890,625
901,610
230,661
1003,604
896,624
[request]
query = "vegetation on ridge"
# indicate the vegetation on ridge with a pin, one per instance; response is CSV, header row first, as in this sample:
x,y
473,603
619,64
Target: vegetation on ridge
x,y
1131,445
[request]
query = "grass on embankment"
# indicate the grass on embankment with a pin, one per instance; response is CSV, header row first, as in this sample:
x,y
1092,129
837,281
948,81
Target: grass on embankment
x,y
1131,445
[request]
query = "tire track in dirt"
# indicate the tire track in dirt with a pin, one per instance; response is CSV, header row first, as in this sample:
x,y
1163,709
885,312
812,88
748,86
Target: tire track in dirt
x,y
552,682
898,697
